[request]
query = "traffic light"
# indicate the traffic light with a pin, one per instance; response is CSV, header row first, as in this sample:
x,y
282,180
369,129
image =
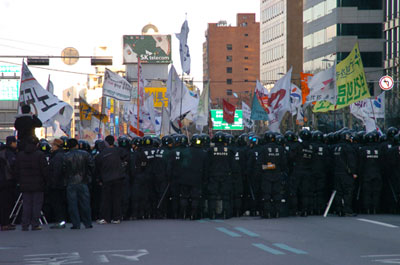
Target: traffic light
x,y
38,61
101,61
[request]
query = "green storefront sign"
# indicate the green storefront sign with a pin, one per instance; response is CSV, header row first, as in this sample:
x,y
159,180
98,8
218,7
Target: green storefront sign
x,y
9,88
220,124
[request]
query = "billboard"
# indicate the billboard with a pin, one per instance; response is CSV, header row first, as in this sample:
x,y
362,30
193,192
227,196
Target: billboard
x,y
9,88
220,124
158,95
154,49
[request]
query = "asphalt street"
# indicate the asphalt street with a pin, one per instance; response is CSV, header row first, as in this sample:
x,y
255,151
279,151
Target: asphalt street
x,y
365,239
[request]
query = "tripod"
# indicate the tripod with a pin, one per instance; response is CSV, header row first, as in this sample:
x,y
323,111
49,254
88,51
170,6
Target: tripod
x,y
17,209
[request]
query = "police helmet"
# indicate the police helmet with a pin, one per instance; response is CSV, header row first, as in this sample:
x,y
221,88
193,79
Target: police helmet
x,y
290,136
65,142
167,140
147,140
205,139
219,138
391,132
345,135
305,135
137,141
242,139
269,137
255,140
230,139
280,139
317,136
123,141
44,147
156,142
196,140
360,137
372,137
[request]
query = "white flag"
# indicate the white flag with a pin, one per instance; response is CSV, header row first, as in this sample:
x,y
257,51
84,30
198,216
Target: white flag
x,y
45,105
182,100
323,86
184,48
116,86
165,122
359,110
279,101
246,114
203,108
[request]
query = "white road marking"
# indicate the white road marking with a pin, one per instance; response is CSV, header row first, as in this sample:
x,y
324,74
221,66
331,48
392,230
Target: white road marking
x,y
377,223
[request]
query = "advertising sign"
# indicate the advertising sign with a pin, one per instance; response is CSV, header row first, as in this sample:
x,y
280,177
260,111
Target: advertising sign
x,y
158,96
220,124
9,88
154,49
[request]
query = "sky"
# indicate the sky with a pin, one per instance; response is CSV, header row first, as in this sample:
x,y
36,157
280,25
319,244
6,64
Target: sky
x,y
46,27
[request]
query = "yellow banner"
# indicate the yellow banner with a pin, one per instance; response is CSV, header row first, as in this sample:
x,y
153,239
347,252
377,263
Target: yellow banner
x,y
158,96
86,112
351,83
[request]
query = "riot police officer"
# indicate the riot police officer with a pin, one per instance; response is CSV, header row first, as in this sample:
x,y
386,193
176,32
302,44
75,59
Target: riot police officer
x,y
272,168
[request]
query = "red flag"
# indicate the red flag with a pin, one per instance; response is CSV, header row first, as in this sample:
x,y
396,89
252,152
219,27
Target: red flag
x,y
229,112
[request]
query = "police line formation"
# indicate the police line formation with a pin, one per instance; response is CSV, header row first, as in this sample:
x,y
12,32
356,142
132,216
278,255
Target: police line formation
x,y
270,176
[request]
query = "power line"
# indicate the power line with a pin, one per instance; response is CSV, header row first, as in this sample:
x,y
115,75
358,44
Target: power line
x,y
33,43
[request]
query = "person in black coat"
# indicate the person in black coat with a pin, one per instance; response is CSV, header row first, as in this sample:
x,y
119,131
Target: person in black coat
x,y
31,174
7,182
111,177
25,125
57,185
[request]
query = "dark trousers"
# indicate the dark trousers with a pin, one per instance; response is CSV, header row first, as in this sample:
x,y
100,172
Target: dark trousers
x,y
58,204
7,201
111,205
79,204
31,206
344,184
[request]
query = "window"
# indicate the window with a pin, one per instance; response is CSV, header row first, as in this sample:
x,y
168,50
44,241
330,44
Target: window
x,y
229,81
246,69
369,59
229,92
229,70
246,80
363,31
246,58
244,24
361,4
229,47
246,46
246,35
229,58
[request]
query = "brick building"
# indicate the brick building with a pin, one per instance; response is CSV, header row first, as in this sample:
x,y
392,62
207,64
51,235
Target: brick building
x,y
231,59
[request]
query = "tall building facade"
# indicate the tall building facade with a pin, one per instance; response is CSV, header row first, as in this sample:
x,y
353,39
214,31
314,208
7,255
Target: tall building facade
x,y
392,60
281,38
332,27
231,59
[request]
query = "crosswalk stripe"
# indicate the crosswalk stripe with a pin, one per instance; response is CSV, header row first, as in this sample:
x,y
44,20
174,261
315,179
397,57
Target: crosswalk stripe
x,y
228,232
290,249
268,249
247,232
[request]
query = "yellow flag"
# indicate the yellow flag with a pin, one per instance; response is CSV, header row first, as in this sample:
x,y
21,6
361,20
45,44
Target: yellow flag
x,y
351,83
86,112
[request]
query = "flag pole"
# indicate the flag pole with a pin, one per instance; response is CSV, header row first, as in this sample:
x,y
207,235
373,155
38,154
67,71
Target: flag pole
x,y
47,88
138,95
373,114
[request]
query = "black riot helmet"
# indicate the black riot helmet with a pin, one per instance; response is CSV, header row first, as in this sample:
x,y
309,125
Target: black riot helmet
x,y
230,139
205,139
269,137
167,140
45,147
196,140
317,136
147,140
219,138
65,142
123,141
290,136
391,132
305,135
360,137
242,139
280,139
254,141
156,142
84,145
137,141
372,137
345,136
